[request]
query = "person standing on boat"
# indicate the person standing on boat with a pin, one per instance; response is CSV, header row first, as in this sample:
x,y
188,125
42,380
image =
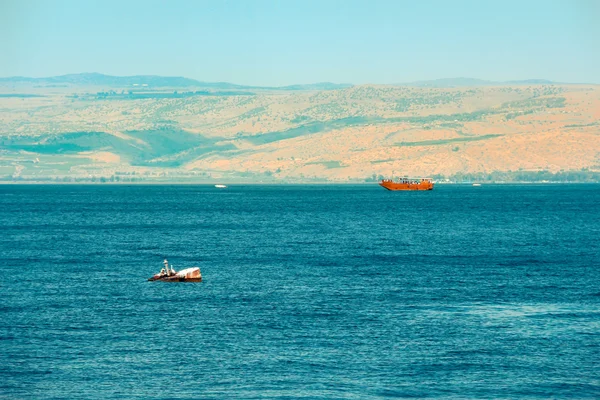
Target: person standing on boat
x,y
166,263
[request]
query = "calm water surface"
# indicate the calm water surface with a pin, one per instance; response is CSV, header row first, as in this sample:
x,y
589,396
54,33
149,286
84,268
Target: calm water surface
x,y
334,292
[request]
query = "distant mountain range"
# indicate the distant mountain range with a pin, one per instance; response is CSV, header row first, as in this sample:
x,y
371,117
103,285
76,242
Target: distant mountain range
x,y
154,81
465,82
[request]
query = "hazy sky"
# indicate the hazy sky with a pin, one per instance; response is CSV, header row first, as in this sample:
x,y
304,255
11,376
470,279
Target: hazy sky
x,y
285,42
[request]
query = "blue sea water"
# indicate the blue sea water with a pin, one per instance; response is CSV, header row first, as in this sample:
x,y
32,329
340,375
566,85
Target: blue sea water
x,y
332,292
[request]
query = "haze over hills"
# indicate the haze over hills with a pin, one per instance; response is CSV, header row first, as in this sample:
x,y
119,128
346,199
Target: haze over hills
x,y
154,81
97,127
97,79
467,82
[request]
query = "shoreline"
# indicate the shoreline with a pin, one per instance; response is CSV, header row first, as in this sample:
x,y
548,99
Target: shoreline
x,y
180,183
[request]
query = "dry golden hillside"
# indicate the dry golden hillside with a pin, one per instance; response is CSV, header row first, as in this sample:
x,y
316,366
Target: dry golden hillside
x,y
337,135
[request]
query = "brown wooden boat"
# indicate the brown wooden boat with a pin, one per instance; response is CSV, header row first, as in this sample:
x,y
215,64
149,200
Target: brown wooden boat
x,y
168,274
407,184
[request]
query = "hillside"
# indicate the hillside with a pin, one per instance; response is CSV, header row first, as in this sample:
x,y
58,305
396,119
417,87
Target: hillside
x,y
298,133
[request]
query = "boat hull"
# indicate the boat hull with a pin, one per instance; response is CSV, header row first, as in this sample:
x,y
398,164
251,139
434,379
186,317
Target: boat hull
x,y
174,279
186,275
406,186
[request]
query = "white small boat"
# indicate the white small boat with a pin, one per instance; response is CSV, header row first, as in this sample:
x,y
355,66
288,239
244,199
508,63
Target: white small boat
x,y
477,184
168,274
221,186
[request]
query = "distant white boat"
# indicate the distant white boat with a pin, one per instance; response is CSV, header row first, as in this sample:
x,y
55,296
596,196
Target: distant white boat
x,y
221,186
477,184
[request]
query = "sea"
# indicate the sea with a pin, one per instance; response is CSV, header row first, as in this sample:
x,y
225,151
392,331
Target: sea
x,y
308,292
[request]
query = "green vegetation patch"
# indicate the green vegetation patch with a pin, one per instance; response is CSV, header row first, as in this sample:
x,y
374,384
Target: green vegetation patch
x,y
537,102
325,126
307,129
188,155
461,117
451,125
252,113
583,175
582,125
556,102
300,118
69,143
427,100
327,164
510,116
383,161
171,147
447,141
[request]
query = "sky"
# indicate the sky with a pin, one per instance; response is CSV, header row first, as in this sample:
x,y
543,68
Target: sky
x,y
286,42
